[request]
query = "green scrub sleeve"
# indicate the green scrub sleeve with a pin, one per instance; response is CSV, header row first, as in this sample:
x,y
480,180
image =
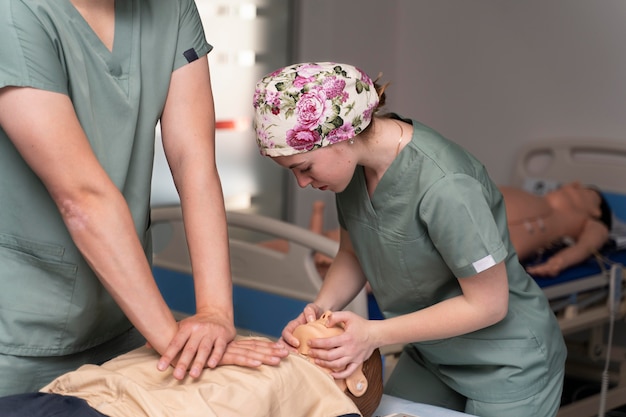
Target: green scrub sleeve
x,y
28,57
461,225
191,40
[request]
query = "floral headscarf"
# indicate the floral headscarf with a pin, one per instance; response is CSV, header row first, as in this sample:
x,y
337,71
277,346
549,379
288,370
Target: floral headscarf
x,y
307,106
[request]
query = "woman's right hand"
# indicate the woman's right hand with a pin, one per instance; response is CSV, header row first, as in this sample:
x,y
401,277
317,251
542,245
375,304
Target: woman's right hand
x,y
310,313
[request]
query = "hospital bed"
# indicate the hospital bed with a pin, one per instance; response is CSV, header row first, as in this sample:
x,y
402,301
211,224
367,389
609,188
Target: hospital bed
x,y
270,287
587,298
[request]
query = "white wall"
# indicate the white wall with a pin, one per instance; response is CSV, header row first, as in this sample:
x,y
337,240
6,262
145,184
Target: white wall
x,y
249,40
488,74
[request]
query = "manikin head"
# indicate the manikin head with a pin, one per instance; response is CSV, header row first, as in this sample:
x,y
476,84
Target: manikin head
x,y
583,198
365,385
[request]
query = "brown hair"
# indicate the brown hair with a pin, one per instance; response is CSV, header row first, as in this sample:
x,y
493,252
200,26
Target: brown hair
x,y
380,90
373,371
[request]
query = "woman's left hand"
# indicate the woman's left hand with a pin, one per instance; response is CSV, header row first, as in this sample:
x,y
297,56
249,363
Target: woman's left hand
x,y
253,352
342,354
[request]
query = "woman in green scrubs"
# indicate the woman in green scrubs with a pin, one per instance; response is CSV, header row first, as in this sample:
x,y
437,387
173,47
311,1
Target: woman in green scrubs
x,y
424,225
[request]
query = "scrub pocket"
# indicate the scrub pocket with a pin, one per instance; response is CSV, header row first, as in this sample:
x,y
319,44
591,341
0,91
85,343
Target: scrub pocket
x,y
36,292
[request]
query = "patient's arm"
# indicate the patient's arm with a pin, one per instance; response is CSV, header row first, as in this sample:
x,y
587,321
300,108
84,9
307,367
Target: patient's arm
x,y
536,223
253,352
591,239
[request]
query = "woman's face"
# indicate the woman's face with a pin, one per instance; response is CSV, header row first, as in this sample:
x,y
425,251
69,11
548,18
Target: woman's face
x,y
329,168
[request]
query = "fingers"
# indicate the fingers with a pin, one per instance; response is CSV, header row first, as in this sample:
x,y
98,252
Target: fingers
x,y
327,343
332,359
339,318
192,349
289,347
216,355
349,370
311,311
287,334
308,315
254,353
343,353
195,357
199,343
171,353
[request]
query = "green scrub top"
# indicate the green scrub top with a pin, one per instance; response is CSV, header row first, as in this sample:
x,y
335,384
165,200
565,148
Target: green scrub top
x,y
51,303
434,218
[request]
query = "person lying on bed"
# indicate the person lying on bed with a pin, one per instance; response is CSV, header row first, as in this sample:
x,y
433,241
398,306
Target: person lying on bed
x,y
572,214
131,386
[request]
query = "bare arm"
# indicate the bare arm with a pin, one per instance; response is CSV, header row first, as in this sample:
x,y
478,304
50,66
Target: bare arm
x,y
484,302
344,279
593,236
342,283
45,130
188,131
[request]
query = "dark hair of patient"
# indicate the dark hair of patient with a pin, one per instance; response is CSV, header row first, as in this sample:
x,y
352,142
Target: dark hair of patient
x,y
373,371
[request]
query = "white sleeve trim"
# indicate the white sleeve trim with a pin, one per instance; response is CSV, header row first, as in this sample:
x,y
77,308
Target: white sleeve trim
x,y
484,263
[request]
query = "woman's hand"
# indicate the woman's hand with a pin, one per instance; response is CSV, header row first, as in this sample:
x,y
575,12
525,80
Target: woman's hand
x,y
200,342
253,352
342,354
311,313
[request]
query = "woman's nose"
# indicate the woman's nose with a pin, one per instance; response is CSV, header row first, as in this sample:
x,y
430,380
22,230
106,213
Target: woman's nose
x,y
303,180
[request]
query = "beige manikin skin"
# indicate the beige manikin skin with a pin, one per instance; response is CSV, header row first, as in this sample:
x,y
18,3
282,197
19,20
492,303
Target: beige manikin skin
x,y
356,383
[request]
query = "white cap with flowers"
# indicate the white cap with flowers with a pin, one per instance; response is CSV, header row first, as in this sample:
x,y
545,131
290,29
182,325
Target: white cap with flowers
x,y
307,106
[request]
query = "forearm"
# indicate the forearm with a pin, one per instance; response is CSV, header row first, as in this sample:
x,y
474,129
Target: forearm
x,y
188,131
102,228
449,318
569,256
484,301
44,128
342,282
591,239
207,237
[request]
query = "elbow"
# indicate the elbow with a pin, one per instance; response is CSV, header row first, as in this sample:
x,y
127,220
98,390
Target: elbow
x,y
499,309
81,206
500,315
74,213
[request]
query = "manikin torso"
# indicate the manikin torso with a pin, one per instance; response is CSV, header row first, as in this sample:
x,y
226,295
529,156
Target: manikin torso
x,y
537,222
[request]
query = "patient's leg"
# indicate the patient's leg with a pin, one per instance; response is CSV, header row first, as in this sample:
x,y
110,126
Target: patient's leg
x,y
38,404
